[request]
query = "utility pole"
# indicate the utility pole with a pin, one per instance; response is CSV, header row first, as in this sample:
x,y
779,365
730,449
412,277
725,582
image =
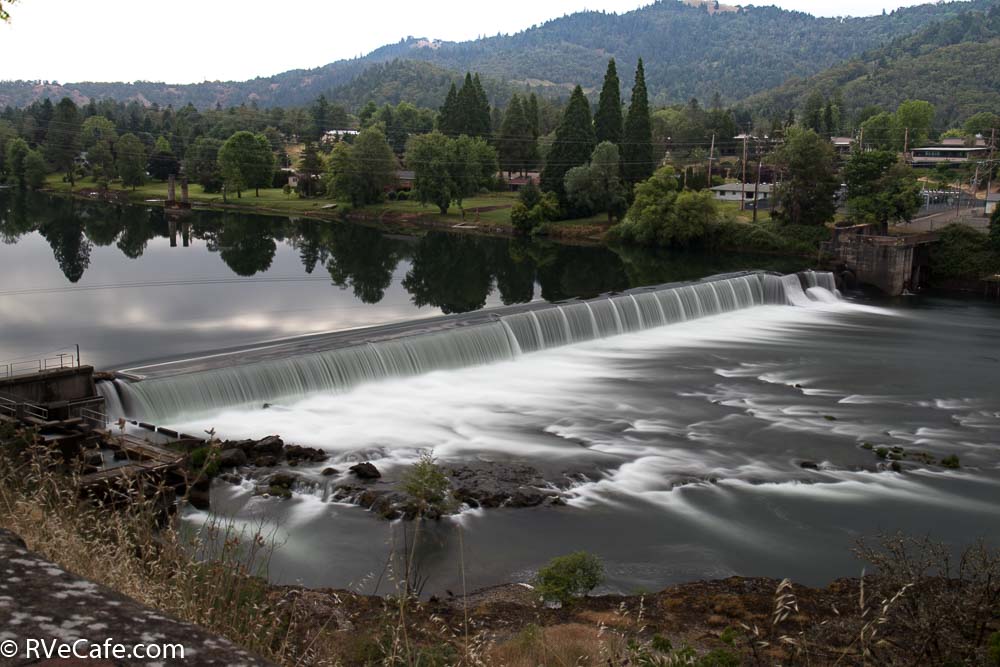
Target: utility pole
x,y
743,179
756,187
861,142
711,154
989,173
906,143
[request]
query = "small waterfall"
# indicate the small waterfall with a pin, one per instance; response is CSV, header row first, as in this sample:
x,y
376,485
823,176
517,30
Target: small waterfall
x,y
793,291
507,337
113,408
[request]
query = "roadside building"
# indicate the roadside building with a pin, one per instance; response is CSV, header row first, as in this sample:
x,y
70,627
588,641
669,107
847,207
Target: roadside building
x,y
930,156
336,136
842,145
735,192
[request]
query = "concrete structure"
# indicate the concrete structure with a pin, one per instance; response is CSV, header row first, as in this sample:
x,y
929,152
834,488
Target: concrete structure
x,y
41,601
51,386
929,156
893,264
992,201
733,192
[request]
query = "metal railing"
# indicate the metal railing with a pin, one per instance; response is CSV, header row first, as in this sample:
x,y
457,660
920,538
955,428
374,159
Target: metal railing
x,y
18,409
38,365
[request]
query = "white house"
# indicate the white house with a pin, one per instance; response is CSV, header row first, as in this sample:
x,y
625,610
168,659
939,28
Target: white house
x,y
734,192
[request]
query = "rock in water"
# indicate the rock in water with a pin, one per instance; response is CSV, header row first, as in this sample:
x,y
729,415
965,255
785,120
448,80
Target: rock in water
x,y
232,458
366,471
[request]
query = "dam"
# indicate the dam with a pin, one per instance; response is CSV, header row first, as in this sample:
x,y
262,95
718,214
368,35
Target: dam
x,y
252,376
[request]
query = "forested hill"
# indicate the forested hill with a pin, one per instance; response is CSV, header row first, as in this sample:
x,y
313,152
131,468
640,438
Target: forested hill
x,y
689,52
952,64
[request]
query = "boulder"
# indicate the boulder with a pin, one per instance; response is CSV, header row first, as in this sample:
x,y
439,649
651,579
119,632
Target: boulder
x,y
265,461
283,479
272,445
200,494
329,472
809,465
296,454
232,458
365,471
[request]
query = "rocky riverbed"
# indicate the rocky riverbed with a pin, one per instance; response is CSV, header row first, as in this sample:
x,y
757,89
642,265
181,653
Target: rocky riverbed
x,y
277,470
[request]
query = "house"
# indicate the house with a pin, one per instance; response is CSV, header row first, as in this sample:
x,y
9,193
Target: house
x,y
735,192
992,201
405,179
336,136
517,182
842,145
929,156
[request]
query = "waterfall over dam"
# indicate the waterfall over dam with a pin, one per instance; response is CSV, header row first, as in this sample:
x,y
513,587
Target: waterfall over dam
x,y
337,362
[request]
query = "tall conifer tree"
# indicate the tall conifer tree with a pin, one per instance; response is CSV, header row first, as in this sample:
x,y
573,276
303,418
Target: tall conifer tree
x,y
637,148
574,142
608,124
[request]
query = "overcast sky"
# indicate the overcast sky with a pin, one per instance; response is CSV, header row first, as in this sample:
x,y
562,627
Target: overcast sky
x,y
184,42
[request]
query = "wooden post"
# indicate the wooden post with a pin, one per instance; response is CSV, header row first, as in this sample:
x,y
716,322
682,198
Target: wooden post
x,y
171,184
184,190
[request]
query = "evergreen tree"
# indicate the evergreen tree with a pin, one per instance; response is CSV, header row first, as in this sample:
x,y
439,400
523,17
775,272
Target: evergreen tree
x,y
516,145
534,116
162,161
448,118
481,119
637,150
202,164
575,141
62,142
608,123
311,166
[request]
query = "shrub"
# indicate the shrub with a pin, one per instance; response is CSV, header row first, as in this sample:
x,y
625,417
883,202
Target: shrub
x,y
951,462
963,253
402,195
428,485
567,577
205,462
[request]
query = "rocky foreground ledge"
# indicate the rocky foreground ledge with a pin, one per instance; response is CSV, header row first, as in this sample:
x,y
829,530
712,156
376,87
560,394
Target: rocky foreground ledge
x,y
40,602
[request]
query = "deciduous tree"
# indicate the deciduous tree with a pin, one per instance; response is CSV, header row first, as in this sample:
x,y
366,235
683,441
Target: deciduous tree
x,y
809,181
597,187
131,160
880,188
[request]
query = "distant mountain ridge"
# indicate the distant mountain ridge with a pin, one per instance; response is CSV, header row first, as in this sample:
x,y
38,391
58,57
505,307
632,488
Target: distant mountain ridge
x,y
954,64
690,51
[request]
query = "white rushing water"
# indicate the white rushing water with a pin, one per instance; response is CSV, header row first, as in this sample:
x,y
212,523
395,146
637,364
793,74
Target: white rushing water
x,y
511,336
682,446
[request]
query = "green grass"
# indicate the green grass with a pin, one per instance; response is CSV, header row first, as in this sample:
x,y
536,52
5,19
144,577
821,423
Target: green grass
x,y
273,199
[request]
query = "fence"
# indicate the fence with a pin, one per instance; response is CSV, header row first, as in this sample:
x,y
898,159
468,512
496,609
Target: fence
x,y
38,365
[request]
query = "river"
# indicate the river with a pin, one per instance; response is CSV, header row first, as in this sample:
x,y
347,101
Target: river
x,y
732,444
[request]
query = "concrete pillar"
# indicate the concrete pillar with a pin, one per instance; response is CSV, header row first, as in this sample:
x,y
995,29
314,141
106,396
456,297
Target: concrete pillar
x,y
171,183
172,227
184,190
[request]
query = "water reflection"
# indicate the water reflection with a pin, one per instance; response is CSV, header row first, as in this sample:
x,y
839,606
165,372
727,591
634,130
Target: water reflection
x,y
454,273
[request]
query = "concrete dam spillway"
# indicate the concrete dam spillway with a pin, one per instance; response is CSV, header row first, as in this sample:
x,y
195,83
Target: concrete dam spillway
x,y
337,362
